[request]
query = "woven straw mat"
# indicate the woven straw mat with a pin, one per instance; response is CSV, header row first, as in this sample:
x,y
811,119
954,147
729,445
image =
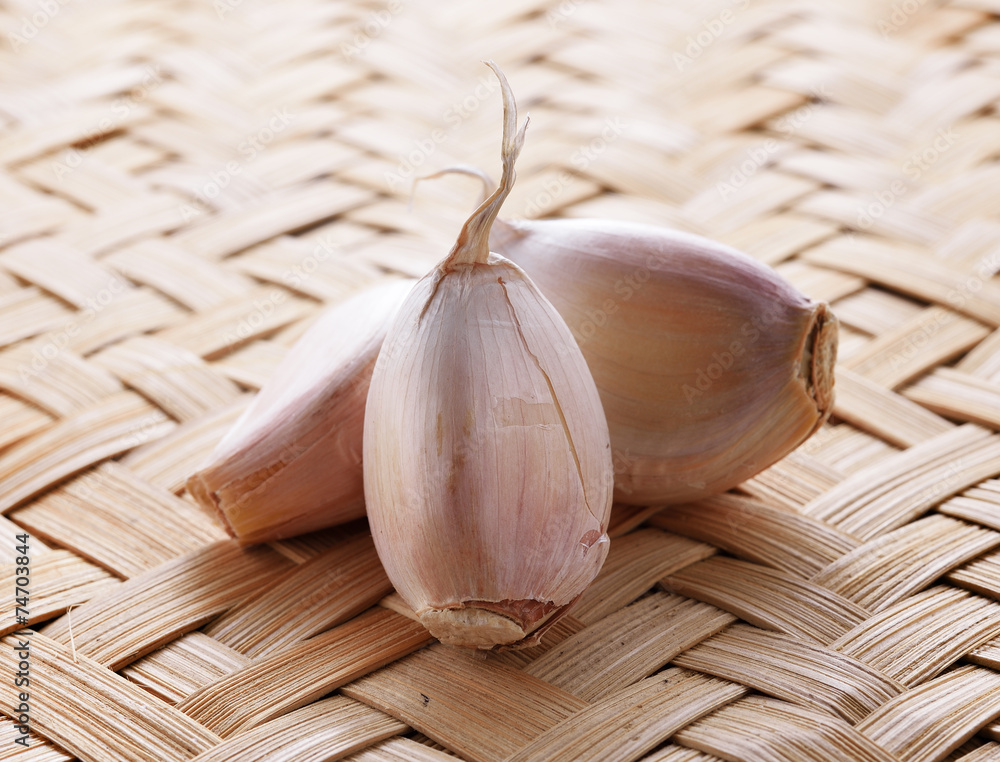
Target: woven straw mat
x,y
184,186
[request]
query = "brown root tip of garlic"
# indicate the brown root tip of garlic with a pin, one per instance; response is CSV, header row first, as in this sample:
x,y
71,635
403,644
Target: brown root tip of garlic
x,y
819,359
487,625
471,627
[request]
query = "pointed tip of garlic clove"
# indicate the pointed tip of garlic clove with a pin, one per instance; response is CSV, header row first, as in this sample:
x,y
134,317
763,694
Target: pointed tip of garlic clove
x,y
208,501
291,463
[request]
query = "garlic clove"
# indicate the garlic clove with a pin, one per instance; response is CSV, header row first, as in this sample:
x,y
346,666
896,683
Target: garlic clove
x,y
710,366
292,462
487,462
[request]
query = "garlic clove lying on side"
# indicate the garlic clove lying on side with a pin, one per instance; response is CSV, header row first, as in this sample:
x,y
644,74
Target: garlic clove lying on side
x,y
292,461
710,366
487,461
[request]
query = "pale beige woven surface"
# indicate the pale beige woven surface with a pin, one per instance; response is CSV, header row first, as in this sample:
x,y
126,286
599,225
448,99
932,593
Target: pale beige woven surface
x,y
185,185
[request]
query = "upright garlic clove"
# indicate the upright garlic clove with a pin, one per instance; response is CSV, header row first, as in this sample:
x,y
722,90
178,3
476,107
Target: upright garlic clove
x,y
292,462
710,366
487,462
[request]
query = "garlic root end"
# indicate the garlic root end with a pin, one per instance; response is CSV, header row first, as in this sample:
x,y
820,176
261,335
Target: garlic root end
x,y
471,627
492,625
820,358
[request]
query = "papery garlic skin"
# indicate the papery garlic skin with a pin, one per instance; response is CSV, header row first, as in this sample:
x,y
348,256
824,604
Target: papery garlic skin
x,y
710,366
487,458
292,461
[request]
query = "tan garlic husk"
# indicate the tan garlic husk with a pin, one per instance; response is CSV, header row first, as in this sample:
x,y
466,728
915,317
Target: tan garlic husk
x,y
710,366
487,461
292,461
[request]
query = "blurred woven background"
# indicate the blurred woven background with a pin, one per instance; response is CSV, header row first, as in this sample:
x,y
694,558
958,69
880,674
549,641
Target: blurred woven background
x,y
185,185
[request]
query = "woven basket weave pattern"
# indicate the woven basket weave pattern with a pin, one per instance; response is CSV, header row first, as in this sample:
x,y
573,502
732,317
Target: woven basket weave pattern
x,y
185,186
